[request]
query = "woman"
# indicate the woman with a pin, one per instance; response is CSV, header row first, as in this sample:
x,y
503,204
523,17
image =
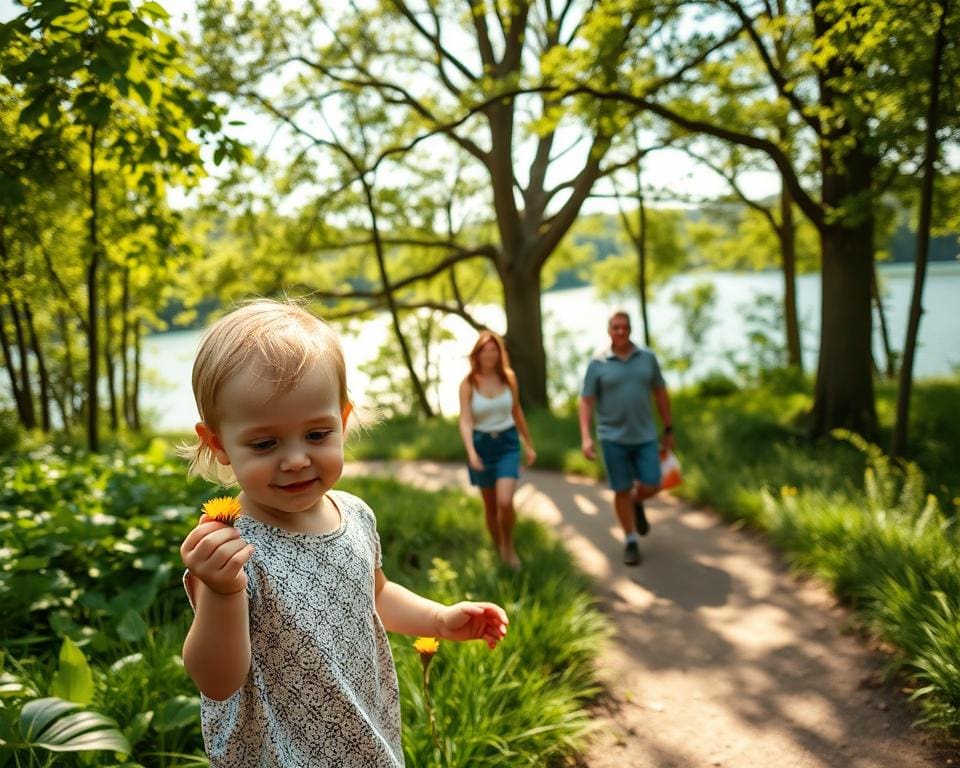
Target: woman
x,y
490,420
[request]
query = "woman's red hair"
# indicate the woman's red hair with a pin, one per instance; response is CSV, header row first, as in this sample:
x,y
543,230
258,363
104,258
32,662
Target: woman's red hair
x,y
503,369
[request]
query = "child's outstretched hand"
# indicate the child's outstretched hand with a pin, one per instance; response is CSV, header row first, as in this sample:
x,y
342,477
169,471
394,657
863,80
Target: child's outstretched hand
x,y
215,554
473,621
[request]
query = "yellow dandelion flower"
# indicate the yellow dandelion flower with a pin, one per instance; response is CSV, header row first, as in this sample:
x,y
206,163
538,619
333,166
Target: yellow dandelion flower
x,y
223,509
788,490
426,645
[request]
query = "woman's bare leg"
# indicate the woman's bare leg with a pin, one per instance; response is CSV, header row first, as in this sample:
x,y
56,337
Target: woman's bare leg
x,y
489,496
507,517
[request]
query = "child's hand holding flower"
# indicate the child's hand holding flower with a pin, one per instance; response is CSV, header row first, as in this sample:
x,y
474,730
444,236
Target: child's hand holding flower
x,y
473,621
214,551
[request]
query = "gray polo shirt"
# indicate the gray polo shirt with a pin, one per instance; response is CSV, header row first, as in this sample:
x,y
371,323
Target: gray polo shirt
x,y
622,390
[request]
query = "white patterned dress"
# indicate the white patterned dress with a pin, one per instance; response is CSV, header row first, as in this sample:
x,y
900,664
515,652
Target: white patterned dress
x,y
322,689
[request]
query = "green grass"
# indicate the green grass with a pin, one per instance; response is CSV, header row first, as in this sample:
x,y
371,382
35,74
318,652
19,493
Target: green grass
x,y
522,704
91,553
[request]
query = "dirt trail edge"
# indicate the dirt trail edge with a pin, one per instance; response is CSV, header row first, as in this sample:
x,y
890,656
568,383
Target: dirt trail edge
x,y
721,656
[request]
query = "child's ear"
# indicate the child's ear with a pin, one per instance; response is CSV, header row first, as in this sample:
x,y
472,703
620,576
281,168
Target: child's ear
x,y
209,439
345,414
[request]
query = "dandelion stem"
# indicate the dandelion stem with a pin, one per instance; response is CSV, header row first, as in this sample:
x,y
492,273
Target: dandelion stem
x,y
433,722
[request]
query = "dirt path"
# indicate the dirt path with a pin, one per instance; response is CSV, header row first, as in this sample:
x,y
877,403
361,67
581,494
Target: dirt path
x,y
721,657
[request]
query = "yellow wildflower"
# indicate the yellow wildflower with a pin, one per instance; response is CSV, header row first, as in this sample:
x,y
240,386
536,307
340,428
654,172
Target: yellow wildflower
x,y
223,509
426,646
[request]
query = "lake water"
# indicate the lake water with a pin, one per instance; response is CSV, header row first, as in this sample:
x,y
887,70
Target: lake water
x,y
582,317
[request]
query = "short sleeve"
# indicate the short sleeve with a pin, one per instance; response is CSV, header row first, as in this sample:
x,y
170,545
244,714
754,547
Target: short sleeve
x,y
368,521
656,376
590,379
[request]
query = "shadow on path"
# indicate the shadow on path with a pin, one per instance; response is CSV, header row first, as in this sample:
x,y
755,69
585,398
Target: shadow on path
x,y
720,657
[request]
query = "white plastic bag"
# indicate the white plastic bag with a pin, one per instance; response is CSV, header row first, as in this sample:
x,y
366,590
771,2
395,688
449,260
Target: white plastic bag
x,y
669,470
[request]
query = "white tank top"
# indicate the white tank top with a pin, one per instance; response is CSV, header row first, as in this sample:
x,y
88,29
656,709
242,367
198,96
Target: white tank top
x,y
492,414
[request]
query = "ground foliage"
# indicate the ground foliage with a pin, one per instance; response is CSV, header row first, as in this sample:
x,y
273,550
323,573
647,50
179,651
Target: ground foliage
x,y
94,619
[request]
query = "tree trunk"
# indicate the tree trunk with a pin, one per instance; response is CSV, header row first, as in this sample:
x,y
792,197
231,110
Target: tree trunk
x,y
898,442
890,370
524,336
42,374
843,394
68,378
788,254
418,390
786,232
125,402
135,385
93,347
28,412
23,414
109,367
642,260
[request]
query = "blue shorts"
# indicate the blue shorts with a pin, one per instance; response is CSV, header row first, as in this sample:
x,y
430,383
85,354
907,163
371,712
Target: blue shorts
x,y
626,462
500,454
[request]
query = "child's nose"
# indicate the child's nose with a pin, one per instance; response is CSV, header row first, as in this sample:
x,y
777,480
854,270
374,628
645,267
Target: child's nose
x,y
295,458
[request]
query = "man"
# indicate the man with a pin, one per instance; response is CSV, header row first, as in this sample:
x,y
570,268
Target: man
x,y
619,384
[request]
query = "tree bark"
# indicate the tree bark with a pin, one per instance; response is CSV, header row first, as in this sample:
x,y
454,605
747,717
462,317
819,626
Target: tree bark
x,y
93,348
890,370
22,413
109,367
843,393
69,409
135,387
524,337
788,254
42,373
899,439
418,389
125,400
28,413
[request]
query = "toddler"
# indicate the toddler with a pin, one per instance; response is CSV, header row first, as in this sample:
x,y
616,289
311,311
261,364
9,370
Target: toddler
x,y
288,644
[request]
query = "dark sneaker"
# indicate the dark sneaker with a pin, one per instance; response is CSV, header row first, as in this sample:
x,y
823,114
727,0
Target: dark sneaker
x,y
631,554
640,516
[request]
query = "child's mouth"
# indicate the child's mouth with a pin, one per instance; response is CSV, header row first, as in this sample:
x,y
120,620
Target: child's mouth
x,y
297,487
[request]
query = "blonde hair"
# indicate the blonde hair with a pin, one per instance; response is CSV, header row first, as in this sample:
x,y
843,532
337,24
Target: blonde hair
x,y
281,341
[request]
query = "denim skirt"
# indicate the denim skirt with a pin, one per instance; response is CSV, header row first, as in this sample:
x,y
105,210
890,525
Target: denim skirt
x,y
500,454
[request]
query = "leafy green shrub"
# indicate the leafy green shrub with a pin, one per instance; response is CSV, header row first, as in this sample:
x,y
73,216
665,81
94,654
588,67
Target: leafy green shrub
x,y
9,433
894,556
94,612
716,384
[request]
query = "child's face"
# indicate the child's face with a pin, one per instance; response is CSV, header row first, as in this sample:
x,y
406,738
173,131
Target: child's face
x,y
285,448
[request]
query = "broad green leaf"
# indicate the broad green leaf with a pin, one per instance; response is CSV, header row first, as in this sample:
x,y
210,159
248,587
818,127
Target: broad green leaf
x,y
73,681
37,714
54,725
131,627
177,712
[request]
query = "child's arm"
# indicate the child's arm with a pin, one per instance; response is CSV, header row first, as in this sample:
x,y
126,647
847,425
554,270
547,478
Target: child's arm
x,y
408,613
216,653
